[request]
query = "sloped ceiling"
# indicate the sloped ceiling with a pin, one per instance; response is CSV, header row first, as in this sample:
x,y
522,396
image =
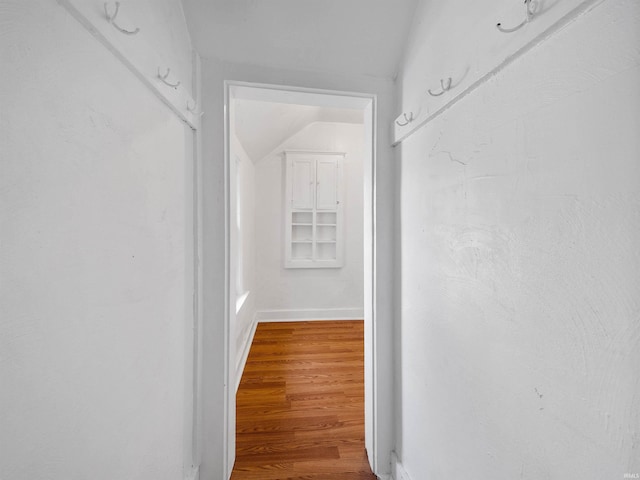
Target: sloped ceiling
x,y
261,126
363,37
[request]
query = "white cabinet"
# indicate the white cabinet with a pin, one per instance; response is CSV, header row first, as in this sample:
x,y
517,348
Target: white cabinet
x,y
327,183
302,180
313,210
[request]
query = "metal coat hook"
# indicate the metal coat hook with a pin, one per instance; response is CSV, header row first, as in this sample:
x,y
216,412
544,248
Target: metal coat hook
x,y
193,109
408,120
445,88
164,79
112,19
530,13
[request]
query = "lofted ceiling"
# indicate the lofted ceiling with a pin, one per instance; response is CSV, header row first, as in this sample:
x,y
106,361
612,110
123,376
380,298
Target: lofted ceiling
x,y
261,126
353,37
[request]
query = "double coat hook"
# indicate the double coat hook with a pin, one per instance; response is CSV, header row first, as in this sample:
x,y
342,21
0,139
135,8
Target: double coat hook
x,y
164,77
112,19
445,88
194,109
531,7
407,120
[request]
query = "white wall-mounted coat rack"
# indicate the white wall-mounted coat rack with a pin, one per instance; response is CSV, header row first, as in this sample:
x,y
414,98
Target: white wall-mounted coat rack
x,y
110,23
494,46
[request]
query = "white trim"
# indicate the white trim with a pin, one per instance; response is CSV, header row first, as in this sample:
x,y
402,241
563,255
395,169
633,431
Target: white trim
x,y
240,300
308,90
313,152
370,298
397,470
198,296
245,351
310,314
228,434
369,101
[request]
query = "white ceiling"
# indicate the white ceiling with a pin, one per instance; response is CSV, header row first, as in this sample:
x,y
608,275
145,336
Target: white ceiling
x,y
262,126
361,37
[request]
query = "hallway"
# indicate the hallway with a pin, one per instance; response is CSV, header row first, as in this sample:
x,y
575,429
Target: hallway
x,y
300,403
501,291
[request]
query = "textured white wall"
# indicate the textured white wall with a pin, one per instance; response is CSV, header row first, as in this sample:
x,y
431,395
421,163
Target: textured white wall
x,y
286,290
95,228
519,342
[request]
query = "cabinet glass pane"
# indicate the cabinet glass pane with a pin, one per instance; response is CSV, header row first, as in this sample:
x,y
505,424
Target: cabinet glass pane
x,y
326,218
301,233
301,251
302,218
326,233
326,251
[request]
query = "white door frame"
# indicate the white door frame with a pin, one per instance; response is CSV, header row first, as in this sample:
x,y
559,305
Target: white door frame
x,y
371,412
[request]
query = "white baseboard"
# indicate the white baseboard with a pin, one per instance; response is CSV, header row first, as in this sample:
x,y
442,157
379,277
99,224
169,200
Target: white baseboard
x,y
310,314
245,351
397,470
194,474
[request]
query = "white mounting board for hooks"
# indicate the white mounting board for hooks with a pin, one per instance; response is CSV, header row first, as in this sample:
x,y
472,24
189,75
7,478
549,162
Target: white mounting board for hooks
x,y
483,52
137,53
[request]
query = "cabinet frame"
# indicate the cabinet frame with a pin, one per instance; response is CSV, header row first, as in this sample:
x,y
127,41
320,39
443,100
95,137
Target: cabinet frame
x,y
313,230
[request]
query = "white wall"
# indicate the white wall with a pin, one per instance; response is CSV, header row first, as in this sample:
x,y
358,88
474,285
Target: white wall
x,y
218,397
243,216
519,338
95,278
331,293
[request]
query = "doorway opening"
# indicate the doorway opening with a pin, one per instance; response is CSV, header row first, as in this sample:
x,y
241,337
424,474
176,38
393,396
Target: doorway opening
x,y
292,217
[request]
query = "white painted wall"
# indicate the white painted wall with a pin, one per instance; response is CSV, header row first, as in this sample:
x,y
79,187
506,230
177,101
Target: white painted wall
x,y
218,397
95,257
243,217
332,293
520,330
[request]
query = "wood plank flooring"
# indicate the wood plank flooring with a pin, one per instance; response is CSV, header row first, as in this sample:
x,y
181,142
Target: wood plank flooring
x,y
300,405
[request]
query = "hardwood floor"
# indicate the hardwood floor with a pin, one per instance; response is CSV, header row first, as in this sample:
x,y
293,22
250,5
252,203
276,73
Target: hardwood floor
x,y
300,405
